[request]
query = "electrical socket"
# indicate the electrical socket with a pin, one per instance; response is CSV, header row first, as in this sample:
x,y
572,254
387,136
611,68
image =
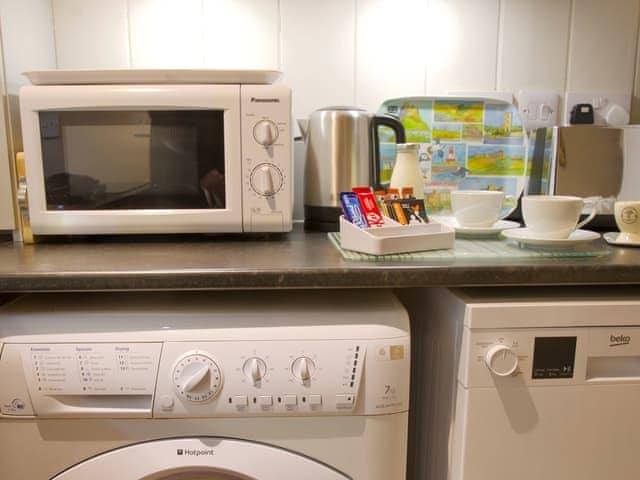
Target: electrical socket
x,y
538,108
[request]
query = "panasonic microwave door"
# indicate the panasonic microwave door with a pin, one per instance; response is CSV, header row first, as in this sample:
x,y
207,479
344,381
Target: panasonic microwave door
x,y
133,159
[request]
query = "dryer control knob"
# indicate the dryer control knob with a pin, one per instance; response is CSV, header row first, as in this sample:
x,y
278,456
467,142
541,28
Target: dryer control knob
x,y
501,360
254,369
196,377
303,368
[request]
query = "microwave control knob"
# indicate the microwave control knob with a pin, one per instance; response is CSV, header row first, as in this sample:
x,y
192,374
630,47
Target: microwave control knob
x,y
254,369
196,377
266,179
303,368
501,360
265,132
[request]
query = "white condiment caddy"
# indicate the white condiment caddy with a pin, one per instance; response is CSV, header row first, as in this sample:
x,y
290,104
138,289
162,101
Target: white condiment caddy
x,y
394,237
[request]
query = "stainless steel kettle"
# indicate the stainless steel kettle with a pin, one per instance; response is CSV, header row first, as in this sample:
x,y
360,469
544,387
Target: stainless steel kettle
x,y
343,150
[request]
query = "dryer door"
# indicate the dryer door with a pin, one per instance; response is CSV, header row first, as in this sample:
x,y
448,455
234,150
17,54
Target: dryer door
x,y
203,458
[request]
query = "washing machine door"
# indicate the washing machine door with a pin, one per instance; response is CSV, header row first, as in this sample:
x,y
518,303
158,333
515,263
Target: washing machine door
x,y
203,458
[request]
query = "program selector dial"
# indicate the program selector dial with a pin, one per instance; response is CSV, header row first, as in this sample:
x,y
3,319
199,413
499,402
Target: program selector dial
x,y
265,132
254,369
501,360
266,179
196,377
303,368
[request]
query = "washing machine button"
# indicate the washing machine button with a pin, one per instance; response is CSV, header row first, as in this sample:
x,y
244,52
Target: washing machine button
x,y
315,399
265,400
290,400
344,400
166,402
240,401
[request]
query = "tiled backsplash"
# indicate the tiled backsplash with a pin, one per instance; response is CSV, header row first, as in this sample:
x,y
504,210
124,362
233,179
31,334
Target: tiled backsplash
x,y
339,52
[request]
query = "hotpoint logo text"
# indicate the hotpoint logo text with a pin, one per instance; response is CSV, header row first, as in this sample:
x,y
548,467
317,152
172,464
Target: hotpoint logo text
x,y
617,340
194,452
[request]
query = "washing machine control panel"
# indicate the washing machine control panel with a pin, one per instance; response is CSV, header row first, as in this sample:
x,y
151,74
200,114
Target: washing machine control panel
x,y
262,378
205,379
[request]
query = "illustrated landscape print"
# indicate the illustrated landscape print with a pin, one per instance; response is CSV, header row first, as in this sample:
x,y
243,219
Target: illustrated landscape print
x,y
465,144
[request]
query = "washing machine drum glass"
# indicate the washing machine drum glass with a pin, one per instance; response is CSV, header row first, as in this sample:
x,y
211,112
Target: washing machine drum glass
x,y
203,458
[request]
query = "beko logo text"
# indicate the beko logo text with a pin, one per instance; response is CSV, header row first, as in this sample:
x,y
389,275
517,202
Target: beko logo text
x,y
617,340
195,453
265,100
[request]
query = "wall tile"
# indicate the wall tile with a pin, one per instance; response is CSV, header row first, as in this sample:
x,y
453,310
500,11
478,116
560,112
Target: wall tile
x,y
635,98
6,196
602,47
241,34
91,33
166,33
390,43
462,45
318,46
28,40
534,38
28,43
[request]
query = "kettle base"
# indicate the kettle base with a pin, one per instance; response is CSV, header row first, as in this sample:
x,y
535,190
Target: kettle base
x,y
322,219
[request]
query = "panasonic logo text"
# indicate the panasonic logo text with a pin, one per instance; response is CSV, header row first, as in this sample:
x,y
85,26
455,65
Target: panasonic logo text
x,y
617,340
265,100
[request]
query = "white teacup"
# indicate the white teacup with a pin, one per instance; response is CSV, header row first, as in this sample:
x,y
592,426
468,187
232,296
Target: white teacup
x,y
627,216
553,217
477,208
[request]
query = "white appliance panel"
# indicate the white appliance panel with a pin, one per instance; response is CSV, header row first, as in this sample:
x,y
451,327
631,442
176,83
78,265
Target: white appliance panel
x,y
191,385
256,141
526,383
582,432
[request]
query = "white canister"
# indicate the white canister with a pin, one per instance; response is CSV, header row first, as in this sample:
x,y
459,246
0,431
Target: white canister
x,y
406,171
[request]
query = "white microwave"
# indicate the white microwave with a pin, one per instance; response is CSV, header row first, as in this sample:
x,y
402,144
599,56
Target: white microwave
x,y
155,158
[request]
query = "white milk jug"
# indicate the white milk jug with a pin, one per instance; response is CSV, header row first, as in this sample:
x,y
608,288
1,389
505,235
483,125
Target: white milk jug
x,y
406,171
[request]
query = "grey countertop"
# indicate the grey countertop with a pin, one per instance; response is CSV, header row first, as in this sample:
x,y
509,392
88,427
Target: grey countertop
x,y
295,260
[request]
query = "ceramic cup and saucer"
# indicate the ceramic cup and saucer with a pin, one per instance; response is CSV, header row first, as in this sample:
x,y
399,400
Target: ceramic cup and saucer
x,y
627,215
477,213
488,231
552,221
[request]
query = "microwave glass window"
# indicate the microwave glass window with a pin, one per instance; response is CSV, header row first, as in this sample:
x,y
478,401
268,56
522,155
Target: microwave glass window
x,y
118,160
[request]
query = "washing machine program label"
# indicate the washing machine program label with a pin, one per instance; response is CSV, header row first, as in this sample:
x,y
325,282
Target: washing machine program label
x,y
80,369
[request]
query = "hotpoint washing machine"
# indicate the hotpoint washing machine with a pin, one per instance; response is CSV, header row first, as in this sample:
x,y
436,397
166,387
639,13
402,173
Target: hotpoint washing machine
x,y
224,386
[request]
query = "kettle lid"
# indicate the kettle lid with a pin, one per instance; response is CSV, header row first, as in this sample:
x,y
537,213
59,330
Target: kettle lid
x,y
341,108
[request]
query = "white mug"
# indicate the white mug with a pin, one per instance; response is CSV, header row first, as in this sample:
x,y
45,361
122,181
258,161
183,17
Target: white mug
x,y
553,217
478,208
627,215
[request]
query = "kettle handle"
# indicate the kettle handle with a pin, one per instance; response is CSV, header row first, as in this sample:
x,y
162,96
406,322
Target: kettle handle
x,y
387,121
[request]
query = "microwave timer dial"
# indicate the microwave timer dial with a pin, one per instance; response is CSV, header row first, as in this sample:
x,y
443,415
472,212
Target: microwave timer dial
x,y
265,132
266,179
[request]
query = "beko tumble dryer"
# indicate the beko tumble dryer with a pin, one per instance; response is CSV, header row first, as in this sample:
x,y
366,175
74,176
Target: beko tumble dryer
x,y
224,386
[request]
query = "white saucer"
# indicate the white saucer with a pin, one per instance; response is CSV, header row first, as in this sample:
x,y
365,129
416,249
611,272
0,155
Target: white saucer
x,y
494,229
524,236
617,238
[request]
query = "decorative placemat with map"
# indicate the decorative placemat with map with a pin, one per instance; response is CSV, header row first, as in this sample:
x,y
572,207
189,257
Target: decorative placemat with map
x,y
465,143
